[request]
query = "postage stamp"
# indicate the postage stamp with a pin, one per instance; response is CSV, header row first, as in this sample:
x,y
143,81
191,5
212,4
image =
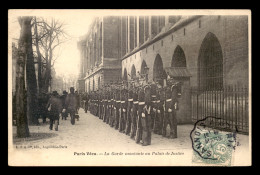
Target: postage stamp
x,y
212,146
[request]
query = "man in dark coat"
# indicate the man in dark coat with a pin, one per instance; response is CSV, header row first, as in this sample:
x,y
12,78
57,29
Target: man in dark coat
x,y
64,114
71,105
54,107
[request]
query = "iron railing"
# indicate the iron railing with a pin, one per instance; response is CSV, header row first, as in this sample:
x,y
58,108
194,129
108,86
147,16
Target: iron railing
x,y
228,108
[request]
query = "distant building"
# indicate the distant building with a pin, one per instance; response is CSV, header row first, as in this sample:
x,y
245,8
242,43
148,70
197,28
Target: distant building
x,y
101,55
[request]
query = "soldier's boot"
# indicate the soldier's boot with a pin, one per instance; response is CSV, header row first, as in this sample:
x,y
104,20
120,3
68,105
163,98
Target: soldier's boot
x,y
138,135
145,138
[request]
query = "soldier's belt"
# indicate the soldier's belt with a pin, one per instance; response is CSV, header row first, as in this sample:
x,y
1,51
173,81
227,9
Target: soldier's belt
x,y
109,101
141,103
122,101
153,101
130,99
153,95
135,102
105,100
158,101
118,101
168,100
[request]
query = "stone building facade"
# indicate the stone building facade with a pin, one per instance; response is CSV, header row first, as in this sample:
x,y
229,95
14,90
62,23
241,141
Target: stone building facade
x,y
206,52
100,62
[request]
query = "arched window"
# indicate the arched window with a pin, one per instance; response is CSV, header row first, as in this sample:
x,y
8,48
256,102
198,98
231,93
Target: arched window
x,y
143,66
178,58
133,72
210,64
158,71
125,75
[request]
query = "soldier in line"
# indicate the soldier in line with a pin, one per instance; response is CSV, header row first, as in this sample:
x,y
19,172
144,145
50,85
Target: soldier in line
x,y
129,109
160,109
113,107
123,108
146,119
109,105
153,105
141,113
134,114
104,98
168,113
118,105
175,94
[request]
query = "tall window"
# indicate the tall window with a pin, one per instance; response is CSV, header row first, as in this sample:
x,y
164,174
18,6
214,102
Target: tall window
x,y
210,64
100,43
141,30
161,22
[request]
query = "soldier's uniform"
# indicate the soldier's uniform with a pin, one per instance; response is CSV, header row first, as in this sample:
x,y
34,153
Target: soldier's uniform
x,y
168,113
153,106
123,108
160,110
113,108
146,119
117,105
109,106
104,105
141,114
129,111
134,113
175,95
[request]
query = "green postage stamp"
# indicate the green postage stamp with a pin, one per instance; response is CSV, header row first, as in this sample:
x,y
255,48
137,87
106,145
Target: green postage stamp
x,y
211,146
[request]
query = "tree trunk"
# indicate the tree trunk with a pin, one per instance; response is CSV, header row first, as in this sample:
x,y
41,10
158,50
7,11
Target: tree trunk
x,y
39,58
22,124
32,100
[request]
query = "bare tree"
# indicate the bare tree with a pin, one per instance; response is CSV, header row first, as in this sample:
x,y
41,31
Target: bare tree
x,y
48,35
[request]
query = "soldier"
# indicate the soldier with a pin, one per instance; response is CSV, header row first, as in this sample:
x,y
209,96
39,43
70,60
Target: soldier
x,y
109,104
160,110
153,106
141,114
146,119
168,113
118,105
113,108
123,116
134,113
175,89
105,96
129,110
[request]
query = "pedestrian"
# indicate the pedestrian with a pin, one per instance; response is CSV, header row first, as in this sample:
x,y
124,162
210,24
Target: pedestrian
x,y
54,107
64,114
71,105
77,104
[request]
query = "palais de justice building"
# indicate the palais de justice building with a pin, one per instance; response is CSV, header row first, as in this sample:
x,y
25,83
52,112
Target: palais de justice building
x,y
206,53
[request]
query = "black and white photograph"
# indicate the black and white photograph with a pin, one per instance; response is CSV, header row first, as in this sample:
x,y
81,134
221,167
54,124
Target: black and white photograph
x,y
129,87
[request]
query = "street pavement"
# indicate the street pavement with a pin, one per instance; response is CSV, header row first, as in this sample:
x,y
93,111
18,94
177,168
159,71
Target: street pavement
x,y
91,135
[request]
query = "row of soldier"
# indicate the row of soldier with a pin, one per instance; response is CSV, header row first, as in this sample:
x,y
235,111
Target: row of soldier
x,y
137,108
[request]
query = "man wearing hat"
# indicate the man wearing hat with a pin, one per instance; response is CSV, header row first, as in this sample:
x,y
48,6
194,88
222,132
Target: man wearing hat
x,y
54,107
71,104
